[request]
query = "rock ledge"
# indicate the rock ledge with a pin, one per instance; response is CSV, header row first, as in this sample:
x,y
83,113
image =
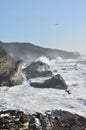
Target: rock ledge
x,y
50,120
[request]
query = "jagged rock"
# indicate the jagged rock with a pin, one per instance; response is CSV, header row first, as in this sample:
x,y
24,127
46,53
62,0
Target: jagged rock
x,y
56,81
16,120
23,118
10,71
37,69
50,120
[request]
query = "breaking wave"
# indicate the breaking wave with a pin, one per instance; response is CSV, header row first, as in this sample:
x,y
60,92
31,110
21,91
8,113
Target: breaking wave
x,y
29,99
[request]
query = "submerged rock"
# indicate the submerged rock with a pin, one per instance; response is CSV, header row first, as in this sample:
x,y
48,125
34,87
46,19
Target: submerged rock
x,y
10,71
56,82
50,120
37,69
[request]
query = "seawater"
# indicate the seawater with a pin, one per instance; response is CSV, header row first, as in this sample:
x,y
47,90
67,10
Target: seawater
x,y
29,99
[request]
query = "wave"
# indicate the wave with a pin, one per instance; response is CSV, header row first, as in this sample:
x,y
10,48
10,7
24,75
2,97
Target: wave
x,y
43,59
29,99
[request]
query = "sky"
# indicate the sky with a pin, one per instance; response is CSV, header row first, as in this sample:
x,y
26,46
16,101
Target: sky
x,y
59,24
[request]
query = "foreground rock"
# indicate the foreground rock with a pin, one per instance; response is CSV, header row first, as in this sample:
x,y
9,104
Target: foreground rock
x,y
10,71
37,69
50,120
56,81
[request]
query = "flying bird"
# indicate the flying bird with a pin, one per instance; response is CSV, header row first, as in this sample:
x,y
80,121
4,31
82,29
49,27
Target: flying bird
x,y
57,24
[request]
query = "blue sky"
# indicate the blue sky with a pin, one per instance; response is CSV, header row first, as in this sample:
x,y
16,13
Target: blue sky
x,y
35,21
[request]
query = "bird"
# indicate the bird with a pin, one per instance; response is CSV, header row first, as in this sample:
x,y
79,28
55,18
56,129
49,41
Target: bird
x,y
57,24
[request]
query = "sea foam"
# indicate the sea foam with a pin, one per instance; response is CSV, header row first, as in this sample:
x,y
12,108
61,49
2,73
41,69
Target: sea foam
x,y
30,99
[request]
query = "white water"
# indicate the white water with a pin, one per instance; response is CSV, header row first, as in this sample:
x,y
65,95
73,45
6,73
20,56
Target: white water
x,y
29,99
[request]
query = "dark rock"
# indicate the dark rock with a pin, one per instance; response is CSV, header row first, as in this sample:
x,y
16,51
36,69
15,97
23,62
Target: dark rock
x,y
23,118
63,68
37,69
50,120
55,82
10,71
58,120
68,91
14,121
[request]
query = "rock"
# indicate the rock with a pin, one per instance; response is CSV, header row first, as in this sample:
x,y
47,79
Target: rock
x,y
56,82
23,118
68,91
16,120
50,120
63,68
37,69
10,71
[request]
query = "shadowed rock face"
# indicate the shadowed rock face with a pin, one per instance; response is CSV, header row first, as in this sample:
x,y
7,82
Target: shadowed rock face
x,y
10,71
50,120
37,69
56,82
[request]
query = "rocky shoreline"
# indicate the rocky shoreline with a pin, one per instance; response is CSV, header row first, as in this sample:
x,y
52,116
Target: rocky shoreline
x,y
50,120
11,75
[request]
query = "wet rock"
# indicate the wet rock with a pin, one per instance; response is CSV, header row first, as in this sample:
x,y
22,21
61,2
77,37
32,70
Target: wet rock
x,y
55,71
58,120
50,120
37,69
23,118
56,82
14,121
68,91
63,68
10,71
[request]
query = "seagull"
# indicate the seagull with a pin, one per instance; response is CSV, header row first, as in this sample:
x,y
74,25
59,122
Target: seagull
x,y
57,24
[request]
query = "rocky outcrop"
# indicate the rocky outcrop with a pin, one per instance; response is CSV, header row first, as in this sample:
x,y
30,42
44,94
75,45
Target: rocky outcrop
x,y
37,69
56,82
13,120
50,120
10,71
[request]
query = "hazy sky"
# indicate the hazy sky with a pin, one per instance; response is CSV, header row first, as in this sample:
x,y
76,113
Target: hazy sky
x,y
35,21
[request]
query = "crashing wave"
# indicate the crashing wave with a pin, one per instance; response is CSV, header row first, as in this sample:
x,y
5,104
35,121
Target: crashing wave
x,y
43,59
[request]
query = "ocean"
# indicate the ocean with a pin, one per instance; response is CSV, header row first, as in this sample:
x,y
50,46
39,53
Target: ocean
x,y
29,99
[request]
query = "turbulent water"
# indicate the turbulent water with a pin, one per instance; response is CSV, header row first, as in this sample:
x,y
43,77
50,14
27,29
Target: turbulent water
x,y
29,99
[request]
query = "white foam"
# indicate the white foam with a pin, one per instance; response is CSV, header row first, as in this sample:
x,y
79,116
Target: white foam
x,y
43,59
59,59
29,99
